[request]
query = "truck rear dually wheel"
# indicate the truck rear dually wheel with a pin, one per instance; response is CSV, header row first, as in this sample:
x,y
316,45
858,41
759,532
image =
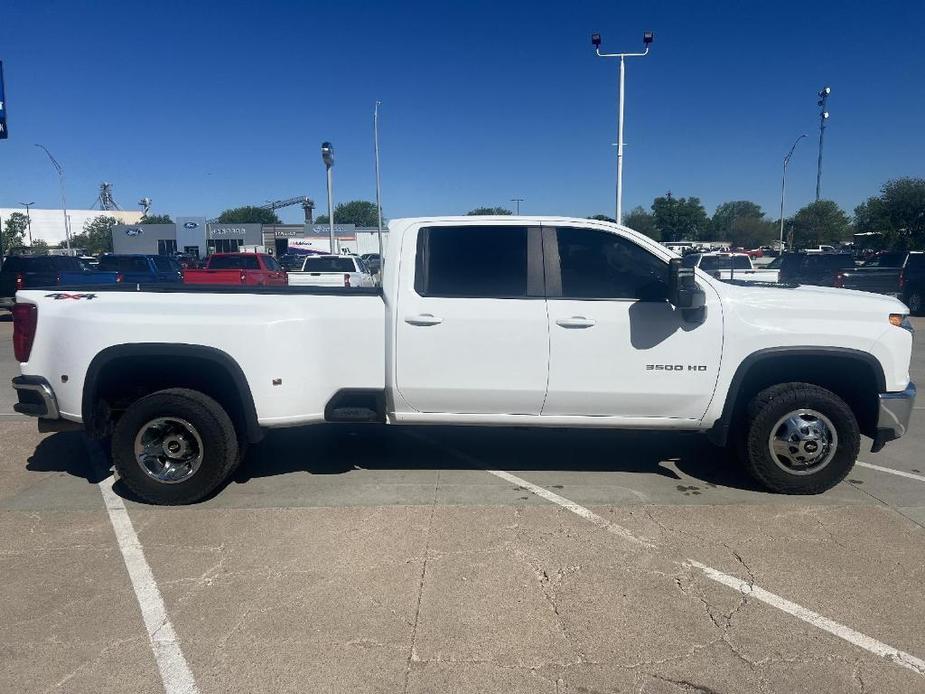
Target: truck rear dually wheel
x,y
174,446
799,438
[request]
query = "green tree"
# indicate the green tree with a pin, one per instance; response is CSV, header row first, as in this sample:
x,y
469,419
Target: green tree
x,y
728,212
898,213
496,211
14,228
741,223
96,236
363,213
678,219
602,218
39,247
249,214
156,219
820,222
644,222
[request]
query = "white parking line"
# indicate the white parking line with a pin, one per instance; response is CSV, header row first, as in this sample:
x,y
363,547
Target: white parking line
x,y
618,530
848,634
175,673
817,620
901,473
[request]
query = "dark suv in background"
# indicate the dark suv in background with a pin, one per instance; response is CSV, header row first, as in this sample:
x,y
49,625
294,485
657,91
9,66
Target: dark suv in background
x,y
820,269
912,283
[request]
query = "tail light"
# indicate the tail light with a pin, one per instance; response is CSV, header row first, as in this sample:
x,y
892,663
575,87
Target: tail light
x,y
120,278
20,281
57,279
346,279
902,279
840,280
243,277
25,319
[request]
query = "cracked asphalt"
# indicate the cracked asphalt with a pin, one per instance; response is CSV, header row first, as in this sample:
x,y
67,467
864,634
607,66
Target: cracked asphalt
x,y
346,559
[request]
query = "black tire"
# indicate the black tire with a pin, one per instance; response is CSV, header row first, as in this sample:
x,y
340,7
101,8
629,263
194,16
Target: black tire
x,y
220,451
914,301
767,408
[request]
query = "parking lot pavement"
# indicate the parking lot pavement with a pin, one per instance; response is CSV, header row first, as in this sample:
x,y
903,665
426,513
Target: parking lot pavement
x,y
368,559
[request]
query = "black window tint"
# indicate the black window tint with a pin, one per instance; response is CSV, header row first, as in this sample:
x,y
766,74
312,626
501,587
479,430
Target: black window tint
x,y
329,264
916,261
892,259
163,264
690,260
225,262
741,262
601,265
471,261
14,263
272,264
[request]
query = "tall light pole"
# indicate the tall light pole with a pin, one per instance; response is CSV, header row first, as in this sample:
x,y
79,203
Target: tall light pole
x,y
517,202
783,185
823,117
327,156
27,205
378,184
647,39
67,229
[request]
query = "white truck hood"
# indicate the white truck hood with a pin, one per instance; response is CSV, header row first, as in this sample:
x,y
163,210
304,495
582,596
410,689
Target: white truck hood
x,y
812,297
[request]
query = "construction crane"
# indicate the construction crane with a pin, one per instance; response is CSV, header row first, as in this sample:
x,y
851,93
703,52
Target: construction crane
x,y
308,206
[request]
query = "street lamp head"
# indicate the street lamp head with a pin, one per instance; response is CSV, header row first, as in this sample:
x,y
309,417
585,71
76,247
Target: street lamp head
x,y
825,115
327,154
825,91
596,40
647,38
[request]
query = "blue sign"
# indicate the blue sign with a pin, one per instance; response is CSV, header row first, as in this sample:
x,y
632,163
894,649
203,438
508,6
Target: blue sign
x,y
3,131
191,225
134,231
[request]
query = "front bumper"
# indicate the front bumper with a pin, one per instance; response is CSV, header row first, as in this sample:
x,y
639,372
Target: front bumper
x,y
894,413
36,398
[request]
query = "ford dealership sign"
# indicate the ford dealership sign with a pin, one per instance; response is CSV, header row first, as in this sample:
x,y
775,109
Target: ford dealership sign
x,y
134,231
191,225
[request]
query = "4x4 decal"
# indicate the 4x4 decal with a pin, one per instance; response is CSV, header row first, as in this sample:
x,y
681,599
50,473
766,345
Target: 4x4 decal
x,y
62,295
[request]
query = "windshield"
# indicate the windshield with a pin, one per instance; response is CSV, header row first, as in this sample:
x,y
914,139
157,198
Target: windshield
x,y
234,262
712,263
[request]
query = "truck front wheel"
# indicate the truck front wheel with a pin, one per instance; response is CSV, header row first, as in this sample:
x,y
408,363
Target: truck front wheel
x,y
799,438
174,446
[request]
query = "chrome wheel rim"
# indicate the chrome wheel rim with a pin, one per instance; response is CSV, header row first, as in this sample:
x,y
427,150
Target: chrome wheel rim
x,y
168,449
803,442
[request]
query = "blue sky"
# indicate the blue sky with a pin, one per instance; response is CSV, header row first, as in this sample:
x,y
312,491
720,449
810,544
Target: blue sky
x,y
208,105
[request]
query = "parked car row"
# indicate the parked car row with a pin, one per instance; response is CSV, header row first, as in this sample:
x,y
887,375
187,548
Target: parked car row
x,y
241,269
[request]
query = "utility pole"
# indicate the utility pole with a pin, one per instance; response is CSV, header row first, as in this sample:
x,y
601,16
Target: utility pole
x,y
378,184
783,186
27,205
647,39
823,117
67,224
517,202
327,156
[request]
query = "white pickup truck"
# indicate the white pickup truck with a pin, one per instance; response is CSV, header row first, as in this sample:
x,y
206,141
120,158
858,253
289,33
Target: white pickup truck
x,y
533,321
332,271
733,266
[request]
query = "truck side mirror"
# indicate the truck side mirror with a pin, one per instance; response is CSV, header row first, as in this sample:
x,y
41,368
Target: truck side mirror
x,y
683,290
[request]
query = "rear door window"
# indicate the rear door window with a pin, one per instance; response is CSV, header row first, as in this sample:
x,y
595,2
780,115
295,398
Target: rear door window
x,y
472,261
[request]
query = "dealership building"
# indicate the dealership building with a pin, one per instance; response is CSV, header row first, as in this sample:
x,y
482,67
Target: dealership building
x,y
198,237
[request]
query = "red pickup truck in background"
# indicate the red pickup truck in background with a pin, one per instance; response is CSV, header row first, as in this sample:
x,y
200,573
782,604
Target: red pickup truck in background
x,y
244,269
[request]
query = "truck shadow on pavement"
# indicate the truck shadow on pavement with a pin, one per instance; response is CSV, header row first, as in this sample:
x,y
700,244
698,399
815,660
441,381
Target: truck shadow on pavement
x,y
338,449
66,452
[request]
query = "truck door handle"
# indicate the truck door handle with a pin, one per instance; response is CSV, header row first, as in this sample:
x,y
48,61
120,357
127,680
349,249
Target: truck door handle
x,y
424,319
576,322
